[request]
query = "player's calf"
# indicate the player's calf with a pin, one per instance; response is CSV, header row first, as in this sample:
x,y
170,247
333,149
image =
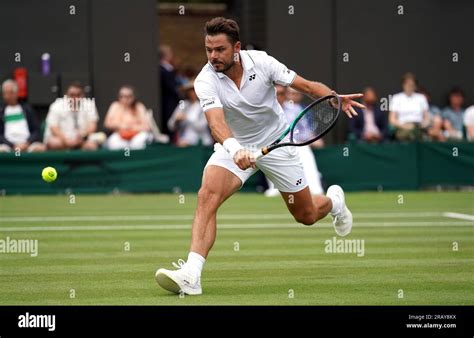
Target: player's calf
x,y
306,217
305,208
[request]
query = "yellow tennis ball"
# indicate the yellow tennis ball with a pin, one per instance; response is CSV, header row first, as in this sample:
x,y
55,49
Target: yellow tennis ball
x,y
49,174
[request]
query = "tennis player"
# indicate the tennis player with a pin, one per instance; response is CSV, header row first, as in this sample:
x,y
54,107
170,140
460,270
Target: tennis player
x,y
236,92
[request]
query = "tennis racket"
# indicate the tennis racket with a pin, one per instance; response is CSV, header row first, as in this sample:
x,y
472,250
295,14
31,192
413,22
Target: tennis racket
x,y
311,124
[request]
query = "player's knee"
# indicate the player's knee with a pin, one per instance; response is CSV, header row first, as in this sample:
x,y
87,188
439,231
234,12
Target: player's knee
x,y
54,144
306,217
89,146
209,197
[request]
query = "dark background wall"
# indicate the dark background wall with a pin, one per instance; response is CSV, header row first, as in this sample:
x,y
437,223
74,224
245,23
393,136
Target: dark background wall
x,y
119,27
89,46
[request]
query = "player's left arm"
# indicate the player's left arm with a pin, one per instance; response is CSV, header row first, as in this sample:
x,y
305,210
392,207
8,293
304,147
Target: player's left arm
x,y
317,89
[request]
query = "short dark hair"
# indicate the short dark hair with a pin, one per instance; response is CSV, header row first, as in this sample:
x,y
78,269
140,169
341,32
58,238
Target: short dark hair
x,y
225,26
75,84
456,90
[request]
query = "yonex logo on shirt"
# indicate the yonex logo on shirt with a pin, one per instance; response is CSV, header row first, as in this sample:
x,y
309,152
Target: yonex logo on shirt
x,y
252,77
298,182
207,103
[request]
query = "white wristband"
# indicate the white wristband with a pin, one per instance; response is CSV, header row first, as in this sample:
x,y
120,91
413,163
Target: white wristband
x,y
231,145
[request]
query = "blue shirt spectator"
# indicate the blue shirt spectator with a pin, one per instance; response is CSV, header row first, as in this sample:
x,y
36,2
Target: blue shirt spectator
x,y
434,130
453,114
370,125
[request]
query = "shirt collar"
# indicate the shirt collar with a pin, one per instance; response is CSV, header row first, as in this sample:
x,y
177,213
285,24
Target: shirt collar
x,y
247,63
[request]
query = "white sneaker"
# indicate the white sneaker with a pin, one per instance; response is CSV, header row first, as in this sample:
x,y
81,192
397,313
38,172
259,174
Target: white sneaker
x,y
179,281
342,220
272,193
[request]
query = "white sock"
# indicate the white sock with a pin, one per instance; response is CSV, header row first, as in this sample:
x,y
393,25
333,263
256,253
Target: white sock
x,y
195,262
336,204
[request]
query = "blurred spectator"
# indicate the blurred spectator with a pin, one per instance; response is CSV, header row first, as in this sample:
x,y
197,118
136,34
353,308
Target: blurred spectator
x,y
19,127
291,100
453,114
72,121
128,120
189,121
408,111
435,128
169,91
371,123
184,76
469,123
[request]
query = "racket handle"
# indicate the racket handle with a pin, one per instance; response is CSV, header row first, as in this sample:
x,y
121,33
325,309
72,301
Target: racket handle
x,y
258,154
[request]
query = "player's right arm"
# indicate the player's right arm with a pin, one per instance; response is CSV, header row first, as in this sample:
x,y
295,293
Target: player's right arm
x,y
222,134
219,128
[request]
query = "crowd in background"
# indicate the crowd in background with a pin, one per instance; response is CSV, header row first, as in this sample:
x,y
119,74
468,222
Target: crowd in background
x,y
72,120
408,115
412,116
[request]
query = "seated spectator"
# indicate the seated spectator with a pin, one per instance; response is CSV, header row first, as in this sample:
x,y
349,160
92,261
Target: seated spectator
x,y
408,111
435,128
371,123
453,114
188,120
469,123
290,100
72,121
185,75
19,127
128,120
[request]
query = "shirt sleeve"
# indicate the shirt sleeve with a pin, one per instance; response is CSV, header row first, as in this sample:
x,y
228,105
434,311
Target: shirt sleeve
x,y
469,116
445,114
207,94
424,104
92,114
278,72
394,104
53,116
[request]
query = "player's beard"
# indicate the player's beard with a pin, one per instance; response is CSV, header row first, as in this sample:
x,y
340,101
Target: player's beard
x,y
227,66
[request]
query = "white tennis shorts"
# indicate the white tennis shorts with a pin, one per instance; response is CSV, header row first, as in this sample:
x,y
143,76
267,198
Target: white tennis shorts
x,y
282,166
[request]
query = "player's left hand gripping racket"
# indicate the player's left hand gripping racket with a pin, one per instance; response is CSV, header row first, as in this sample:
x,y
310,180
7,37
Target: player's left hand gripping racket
x,y
311,124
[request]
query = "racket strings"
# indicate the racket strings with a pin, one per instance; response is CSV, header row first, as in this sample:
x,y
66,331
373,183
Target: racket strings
x,y
314,122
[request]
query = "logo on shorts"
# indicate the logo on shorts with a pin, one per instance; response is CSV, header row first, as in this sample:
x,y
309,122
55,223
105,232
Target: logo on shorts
x,y
252,77
299,181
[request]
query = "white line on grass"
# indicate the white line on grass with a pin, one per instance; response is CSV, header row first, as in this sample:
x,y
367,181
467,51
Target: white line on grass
x,y
128,227
190,217
458,216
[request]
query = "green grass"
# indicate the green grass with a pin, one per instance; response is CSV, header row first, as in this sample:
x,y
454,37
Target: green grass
x,y
276,255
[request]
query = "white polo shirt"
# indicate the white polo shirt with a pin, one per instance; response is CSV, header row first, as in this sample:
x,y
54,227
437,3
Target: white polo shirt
x,y
16,125
409,108
252,112
469,119
70,123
